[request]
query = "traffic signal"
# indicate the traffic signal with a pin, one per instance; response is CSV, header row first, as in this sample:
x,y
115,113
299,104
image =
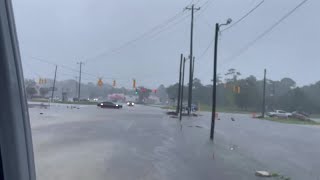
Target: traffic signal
x,y
136,91
42,81
134,84
100,83
114,83
236,89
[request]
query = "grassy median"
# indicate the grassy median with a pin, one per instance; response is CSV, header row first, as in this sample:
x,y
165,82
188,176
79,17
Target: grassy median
x,y
67,102
292,121
207,108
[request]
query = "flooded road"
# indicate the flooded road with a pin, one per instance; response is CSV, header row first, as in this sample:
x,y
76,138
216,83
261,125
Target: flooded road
x,y
143,143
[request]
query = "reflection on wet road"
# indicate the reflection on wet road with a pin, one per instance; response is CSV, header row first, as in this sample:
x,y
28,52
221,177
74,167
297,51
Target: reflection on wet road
x,y
143,143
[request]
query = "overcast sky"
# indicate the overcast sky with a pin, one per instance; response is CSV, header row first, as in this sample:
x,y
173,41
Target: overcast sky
x,y
68,31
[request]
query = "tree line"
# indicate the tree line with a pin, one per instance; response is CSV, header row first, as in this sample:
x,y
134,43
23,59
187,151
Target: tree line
x,y
247,93
88,90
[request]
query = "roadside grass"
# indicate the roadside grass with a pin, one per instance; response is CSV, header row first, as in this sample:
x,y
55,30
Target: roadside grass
x,y
291,121
81,102
169,107
39,100
207,108
315,116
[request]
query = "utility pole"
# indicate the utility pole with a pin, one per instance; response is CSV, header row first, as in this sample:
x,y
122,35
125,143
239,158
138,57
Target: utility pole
x,y
179,88
182,87
264,94
79,80
54,83
193,66
76,87
214,87
213,112
190,57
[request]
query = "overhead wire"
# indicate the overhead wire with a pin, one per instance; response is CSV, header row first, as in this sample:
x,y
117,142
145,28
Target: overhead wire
x,y
264,33
54,64
171,26
238,21
29,69
62,66
243,17
91,76
142,36
205,5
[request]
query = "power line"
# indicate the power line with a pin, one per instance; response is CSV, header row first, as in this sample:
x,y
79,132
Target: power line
x,y
243,17
147,35
245,48
54,64
206,50
75,70
62,66
172,25
149,32
205,6
33,72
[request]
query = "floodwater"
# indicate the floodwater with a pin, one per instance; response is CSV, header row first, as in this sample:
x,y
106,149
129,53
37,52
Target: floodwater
x,y
142,142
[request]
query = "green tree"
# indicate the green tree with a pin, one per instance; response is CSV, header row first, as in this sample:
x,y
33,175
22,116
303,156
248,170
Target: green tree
x,y
43,91
232,75
201,94
248,96
173,91
31,91
30,86
162,93
143,94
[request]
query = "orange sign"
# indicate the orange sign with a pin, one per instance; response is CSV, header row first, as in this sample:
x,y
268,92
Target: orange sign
x,y
100,83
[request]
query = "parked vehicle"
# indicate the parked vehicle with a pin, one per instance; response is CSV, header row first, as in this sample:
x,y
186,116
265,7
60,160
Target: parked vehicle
x,y
279,114
300,116
194,107
109,105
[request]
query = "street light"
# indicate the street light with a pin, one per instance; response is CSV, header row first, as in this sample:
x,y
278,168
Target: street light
x,y
215,76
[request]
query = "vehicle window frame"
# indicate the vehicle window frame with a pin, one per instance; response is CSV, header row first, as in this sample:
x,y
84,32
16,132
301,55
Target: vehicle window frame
x,y
15,131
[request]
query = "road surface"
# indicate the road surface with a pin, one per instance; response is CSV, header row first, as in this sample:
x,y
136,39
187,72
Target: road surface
x,y
143,143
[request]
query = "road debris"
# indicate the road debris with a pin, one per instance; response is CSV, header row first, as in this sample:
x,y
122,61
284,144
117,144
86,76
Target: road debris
x,y
263,174
233,147
171,113
173,116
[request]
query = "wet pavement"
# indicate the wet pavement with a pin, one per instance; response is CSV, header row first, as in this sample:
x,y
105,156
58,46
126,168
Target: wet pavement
x,y
143,143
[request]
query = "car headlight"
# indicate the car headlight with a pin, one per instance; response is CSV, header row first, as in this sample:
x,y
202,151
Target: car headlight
x,y
128,103
132,103
101,104
117,105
